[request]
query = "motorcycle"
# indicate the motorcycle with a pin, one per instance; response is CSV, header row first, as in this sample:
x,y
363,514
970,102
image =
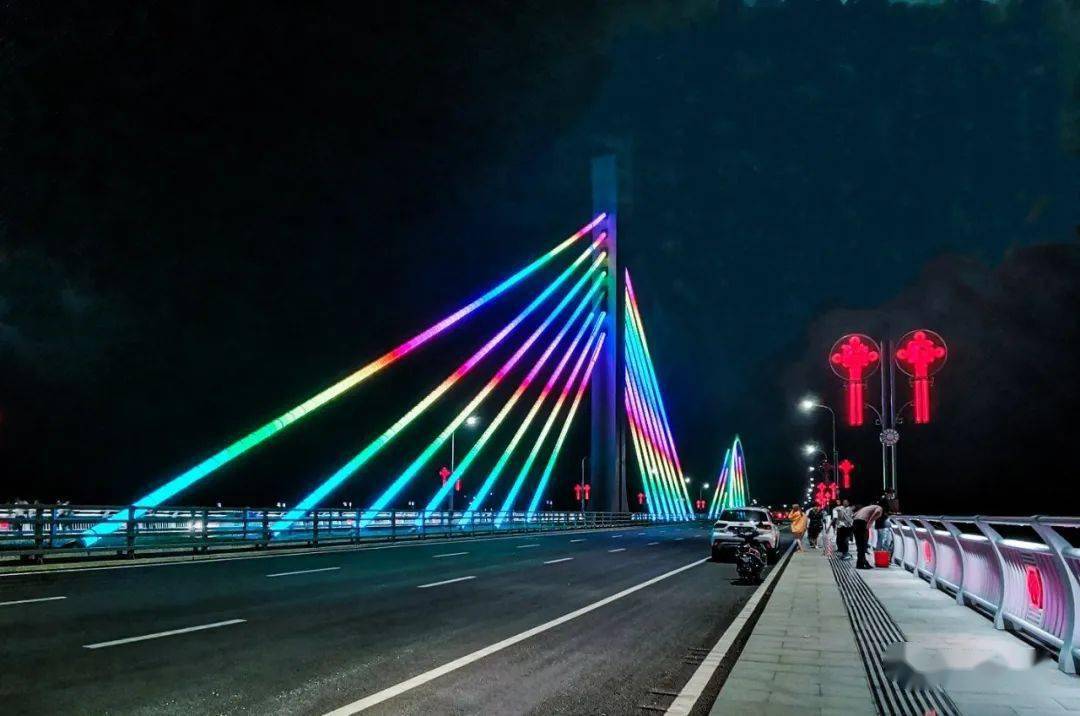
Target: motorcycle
x,y
750,556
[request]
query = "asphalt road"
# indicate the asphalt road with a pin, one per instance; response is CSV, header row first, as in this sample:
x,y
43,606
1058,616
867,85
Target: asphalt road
x,y
333,628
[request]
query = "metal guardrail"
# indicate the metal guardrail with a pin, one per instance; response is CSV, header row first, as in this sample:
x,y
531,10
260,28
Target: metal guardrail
x,y
1026,586
37,532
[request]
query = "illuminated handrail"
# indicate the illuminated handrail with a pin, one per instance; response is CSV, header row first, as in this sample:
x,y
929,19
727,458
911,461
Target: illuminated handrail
x,y
1027,586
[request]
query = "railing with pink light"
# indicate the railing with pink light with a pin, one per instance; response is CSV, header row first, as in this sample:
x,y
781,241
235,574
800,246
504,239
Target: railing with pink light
x,y
1025,586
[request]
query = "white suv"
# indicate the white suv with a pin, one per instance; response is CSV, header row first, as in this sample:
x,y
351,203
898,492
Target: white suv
x,y
724,538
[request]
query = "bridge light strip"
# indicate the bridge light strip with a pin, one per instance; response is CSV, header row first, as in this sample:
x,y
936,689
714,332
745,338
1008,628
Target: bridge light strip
x,y
361,458
649,424
652,429
652,506
641,343
661,487
508,503
482,494
479,445
653,402
717,505
659,469
189,477
416,465
553,458
639,334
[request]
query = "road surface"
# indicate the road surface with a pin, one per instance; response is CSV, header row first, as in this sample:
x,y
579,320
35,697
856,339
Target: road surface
x,y
595,621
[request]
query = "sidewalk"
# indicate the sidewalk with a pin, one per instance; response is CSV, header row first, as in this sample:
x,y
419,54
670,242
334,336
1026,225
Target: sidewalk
x,y
802,651
933,621
818,647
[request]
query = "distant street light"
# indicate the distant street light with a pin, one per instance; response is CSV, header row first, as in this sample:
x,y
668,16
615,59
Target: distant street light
x,y
472,421
809,404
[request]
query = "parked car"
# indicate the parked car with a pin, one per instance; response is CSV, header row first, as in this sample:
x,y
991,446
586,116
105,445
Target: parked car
x,y
725,537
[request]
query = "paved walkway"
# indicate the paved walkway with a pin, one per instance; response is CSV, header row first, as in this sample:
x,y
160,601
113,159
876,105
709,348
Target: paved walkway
x,y
934,623
802,652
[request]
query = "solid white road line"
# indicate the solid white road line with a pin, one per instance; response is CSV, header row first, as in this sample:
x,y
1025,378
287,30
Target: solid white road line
x,y
303,571
30,601
576,540
160,634
620,549
690,693
615,536
421,679
556,561
447,581
526,546
651,544
448,554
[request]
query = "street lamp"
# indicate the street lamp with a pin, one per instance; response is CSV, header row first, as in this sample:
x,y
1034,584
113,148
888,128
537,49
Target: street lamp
x,y
472,421
807,405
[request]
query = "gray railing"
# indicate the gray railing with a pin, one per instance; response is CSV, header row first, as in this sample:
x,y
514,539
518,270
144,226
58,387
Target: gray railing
x,y
38,532
1026,586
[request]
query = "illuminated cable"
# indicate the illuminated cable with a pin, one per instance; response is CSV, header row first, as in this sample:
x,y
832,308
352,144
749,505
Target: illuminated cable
x,y
657,472
651,376
654,430
511,496
481,496
652,507
546,475
358,461
410,472
265,432
662,503
715,506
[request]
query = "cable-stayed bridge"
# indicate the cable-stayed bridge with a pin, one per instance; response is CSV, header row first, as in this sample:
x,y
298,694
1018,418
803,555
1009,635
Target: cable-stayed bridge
x,y
398,605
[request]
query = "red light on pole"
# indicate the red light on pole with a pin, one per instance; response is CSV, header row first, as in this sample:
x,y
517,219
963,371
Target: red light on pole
x,y
845,467
641,498
853,358
921,354
577,492
587,488
444,473
457,485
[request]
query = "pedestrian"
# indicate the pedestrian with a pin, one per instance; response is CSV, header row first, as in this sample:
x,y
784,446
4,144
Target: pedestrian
x,y
863,519
890,506
816,523
844,520
830,528
799,523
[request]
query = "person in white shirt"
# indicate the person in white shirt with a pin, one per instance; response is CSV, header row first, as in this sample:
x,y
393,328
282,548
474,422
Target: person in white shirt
x,y
863,519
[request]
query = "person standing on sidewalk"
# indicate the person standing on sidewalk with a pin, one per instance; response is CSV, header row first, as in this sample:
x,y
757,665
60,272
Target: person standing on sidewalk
x,y
863,519
843,519
798,526
816,518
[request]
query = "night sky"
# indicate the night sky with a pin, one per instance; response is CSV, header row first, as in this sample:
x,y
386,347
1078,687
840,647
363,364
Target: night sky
x,y
209,211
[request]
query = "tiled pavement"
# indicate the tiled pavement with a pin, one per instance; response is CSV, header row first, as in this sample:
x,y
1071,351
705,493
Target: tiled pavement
x,y
933,620
802,652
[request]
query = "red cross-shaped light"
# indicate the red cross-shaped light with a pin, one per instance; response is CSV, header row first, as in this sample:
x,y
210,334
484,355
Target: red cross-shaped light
x,y
854,357
920,355
845,467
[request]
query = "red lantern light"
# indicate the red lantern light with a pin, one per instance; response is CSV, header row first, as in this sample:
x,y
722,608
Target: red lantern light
x,y
577,492
641,498
921,354
457,485
444,473
587,488
928,553
853,358
845,467
1035,587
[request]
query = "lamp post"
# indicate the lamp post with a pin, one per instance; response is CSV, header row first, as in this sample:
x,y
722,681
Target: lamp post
x,y
810,403
583,461
472,421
